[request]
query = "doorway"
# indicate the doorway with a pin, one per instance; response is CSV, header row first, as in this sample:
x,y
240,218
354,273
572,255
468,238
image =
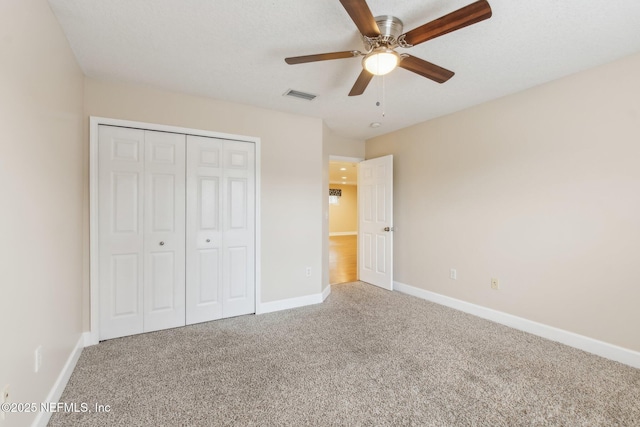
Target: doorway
x,y
343,221
374,222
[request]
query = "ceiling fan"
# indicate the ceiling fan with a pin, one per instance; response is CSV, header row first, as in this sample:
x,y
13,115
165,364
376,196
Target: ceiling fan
x,y
382,35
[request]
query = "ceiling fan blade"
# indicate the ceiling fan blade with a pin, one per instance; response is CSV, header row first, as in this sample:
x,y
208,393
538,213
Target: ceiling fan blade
x,y
475,12
321,57
425,69
361,84
361,15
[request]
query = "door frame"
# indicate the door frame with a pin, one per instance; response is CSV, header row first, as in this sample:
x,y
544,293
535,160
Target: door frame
x,y
358,160
325,205
92,337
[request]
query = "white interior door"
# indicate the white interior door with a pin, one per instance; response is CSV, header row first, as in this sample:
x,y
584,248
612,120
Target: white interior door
x,y
238,222
204,230
220,228
164,223
120,225
375,221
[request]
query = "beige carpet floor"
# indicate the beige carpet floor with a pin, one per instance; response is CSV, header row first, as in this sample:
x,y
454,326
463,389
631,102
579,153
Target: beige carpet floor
x,y
364,357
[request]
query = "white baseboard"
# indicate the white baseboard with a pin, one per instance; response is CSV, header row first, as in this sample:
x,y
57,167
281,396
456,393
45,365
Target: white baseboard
x,y
90,338
286,304
600,348
343,233
42,418
325,292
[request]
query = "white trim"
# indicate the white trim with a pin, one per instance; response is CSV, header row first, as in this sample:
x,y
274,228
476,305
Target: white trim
x,y
344,233
42,418
286,304
93,335
169,128
325,292
94,331
345,159
258,222
87,338
600,348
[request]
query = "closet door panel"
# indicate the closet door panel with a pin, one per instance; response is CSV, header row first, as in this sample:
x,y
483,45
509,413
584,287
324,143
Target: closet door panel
x,y
124,285
120,208
238,219
164,237
208,280
204,231
237,273
163,189
163,270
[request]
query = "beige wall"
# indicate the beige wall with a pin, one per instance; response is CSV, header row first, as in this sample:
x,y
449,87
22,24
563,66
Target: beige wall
x,y
336,145
540,189
41,191
343,217
291,172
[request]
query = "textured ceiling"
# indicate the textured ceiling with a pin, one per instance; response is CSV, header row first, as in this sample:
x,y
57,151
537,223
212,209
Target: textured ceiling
x,y
234,50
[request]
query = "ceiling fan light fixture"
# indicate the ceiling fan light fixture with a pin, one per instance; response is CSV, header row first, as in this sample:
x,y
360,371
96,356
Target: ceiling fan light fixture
x,y
381,34
381,61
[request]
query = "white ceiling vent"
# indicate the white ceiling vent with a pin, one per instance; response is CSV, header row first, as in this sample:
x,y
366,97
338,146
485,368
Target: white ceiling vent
x,y
301,95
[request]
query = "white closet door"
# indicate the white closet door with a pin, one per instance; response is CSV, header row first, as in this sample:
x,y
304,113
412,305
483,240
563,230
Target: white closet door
x,y
204,236
220,229
120,223
164,238
238,222
176,230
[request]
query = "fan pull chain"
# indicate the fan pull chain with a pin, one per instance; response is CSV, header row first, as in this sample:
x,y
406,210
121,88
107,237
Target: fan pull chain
x,y
383,103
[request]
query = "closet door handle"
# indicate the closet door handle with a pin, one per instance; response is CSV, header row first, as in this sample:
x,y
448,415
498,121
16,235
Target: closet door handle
x,y
161,243
208,240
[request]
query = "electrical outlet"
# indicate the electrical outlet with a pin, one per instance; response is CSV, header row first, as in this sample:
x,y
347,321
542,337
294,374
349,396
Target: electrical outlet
x,y
453,274
495,283
37,355
307,271
4,398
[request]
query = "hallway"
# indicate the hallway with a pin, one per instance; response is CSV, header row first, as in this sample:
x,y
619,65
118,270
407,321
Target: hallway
x,y
343,259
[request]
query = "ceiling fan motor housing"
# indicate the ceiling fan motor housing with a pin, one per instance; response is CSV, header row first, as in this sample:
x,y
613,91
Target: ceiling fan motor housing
x,y
390,29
